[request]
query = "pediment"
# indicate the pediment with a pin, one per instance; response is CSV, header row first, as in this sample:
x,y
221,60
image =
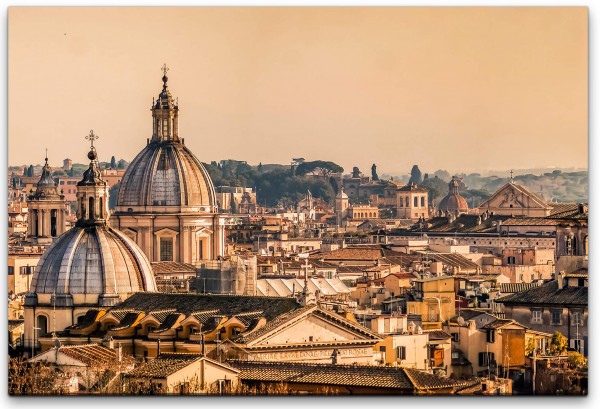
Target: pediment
x,y
166,232
314,327
513,196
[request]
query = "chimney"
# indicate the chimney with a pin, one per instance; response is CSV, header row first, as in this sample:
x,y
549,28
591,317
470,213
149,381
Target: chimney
x,y
202,347
158,347
561,280
119,351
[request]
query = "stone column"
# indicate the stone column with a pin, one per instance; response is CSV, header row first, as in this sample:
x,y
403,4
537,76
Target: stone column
x,y
60,228
40,222
47,219
31,221
185,245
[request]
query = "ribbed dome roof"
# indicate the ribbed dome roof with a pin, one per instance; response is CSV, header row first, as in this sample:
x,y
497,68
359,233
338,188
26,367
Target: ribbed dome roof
x,y
167,174
93,260
452,203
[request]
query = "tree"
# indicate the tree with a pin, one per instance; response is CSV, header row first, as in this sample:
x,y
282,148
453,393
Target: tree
x,y
577,360
30,171
442,174
374,175
415,175
318,167
355,172
558,343
113,162
260,167
112,195
122,164
437,188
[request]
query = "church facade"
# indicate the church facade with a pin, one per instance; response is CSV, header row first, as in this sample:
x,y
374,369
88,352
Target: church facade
x,y
167,202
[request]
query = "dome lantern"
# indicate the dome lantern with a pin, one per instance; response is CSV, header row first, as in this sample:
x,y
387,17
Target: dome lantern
x,y
92,191
165,114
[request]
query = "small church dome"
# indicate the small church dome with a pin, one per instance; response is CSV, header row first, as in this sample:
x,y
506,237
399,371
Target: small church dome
x,y
92,259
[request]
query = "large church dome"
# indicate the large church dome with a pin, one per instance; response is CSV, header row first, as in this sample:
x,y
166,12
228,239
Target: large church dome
x,y
166,172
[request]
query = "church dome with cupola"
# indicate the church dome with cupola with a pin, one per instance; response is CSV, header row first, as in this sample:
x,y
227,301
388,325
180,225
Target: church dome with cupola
x,y
92,261
167,202
454,202
166,173
90,265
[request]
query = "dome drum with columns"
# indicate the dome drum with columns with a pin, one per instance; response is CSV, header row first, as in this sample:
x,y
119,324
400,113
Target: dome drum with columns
x,y
91,265
47,208
167,202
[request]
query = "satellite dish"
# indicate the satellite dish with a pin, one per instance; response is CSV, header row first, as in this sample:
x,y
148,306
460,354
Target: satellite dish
x,y
460,320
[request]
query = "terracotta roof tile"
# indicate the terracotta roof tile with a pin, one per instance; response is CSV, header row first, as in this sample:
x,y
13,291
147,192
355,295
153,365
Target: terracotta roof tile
x,y
348,375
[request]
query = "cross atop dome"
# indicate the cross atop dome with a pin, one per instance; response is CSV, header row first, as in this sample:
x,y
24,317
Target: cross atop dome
x,y
165,78
91,137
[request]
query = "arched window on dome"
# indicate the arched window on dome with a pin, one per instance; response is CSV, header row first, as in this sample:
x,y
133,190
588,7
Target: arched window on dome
x,y
91,209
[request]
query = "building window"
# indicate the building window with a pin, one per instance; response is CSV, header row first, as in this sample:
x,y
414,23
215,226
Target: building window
x,y
486,358
536,316
576,318
415,202
491,336
406,201
556,317
26,270
166,249
401,352
455,337
511,260
577,344
422,201
11,271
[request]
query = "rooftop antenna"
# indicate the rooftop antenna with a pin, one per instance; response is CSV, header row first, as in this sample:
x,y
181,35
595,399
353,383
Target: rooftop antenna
x,y
54,314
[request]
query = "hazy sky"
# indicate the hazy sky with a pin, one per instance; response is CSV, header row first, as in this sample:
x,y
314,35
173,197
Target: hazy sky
x,y
462,89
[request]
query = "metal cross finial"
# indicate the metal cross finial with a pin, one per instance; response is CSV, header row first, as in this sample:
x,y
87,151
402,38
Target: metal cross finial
x,y
46,155
165,68
511,175
92,137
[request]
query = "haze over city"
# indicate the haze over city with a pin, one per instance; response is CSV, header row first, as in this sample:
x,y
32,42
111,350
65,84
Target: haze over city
x,y
394,86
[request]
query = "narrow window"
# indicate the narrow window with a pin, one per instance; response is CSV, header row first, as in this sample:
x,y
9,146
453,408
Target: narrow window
x,y
91,209
166,249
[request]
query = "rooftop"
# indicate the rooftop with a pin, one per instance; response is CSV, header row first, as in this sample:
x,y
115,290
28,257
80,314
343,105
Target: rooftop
x,y
549,293
345,375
